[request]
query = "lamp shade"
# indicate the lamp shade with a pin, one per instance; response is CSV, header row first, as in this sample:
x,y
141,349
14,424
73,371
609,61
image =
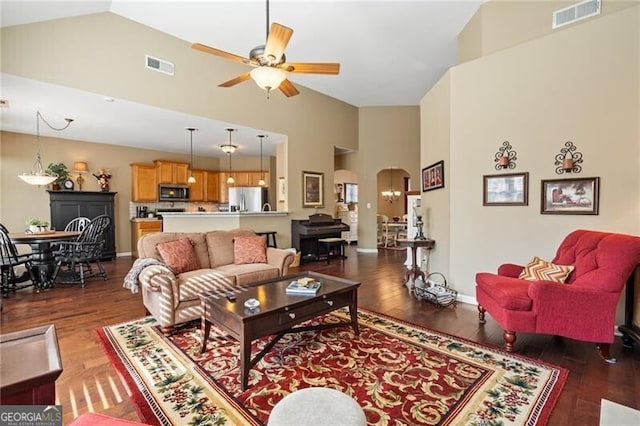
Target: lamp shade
x,y
268,78
80,167
228,148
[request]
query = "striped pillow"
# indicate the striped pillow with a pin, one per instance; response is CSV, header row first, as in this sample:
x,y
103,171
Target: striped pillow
x,y
539,269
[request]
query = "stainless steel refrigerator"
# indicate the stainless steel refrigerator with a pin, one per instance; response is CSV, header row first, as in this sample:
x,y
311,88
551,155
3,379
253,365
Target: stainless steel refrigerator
x,y
248,198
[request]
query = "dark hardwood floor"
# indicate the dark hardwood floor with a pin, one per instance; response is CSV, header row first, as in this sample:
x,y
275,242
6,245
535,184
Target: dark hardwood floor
x,y
89,383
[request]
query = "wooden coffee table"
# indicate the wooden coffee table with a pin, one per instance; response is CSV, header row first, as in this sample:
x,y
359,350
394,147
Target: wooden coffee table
x,y
278,313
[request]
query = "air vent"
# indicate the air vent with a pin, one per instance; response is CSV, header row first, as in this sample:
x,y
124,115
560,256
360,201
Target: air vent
x,y
577,12
159,65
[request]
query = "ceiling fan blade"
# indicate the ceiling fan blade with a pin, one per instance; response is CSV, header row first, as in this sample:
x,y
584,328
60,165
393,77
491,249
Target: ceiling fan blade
x,y
217,52
234,81
288,88
312,68
277,41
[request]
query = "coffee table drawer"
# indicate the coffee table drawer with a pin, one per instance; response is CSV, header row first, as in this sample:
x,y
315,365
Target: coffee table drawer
x,y
297,314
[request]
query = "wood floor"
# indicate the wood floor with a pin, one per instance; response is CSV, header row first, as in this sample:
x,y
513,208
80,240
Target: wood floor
x,y
89,383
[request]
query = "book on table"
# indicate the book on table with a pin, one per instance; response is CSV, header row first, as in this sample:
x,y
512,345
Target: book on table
x,y
305,285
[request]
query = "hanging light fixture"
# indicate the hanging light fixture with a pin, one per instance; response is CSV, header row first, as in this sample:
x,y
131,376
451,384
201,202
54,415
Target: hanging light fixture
x,y
261,182
391,195
229,149
38,176
191,179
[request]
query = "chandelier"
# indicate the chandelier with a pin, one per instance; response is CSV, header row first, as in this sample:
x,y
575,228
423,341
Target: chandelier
x,y
191,179
38,176
391,194
261,182
229,149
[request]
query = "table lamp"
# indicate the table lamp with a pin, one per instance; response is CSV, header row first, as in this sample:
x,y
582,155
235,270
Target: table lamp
x,y
80,167
417,211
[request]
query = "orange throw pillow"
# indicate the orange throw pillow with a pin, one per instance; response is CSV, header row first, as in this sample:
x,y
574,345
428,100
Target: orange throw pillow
x,y
250,250
179,255
539,269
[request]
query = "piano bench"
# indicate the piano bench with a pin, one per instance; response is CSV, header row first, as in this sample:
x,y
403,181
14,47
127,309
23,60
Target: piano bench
x,y
333,247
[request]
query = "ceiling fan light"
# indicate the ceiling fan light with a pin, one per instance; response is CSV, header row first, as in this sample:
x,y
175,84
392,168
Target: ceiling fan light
x,y
268,78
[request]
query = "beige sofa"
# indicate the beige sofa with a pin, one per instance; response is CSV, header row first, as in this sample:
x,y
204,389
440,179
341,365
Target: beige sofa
x,y
174,299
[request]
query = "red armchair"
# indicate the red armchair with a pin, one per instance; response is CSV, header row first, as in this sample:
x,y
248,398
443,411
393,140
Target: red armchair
x,y
582,308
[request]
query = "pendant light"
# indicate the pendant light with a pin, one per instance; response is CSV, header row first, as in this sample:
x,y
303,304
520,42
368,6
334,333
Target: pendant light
x,y
229,149
38,176
391,195
261,182
191,179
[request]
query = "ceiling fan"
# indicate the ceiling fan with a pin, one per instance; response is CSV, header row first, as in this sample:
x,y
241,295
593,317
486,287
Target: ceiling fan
x,y
269,62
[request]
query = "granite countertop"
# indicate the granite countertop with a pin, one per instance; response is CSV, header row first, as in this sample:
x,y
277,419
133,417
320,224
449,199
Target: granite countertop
x,y
146,219
227,214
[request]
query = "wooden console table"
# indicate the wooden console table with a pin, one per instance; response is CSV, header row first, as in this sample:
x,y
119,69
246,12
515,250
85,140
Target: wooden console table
x,y
415,270
30,366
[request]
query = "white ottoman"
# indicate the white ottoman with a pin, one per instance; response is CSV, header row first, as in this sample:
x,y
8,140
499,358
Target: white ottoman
x,y
317,406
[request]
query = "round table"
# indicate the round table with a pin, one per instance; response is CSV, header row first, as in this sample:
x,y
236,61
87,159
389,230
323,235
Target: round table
x,y
43,262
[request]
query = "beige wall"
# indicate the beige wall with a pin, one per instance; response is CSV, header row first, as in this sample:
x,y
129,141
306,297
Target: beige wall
x,y
500,24
579,85
105,60
388,136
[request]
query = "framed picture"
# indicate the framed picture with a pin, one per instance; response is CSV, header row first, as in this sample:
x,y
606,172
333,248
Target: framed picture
x,y
570,196
312,189
433,176
282,190
350,193
505,190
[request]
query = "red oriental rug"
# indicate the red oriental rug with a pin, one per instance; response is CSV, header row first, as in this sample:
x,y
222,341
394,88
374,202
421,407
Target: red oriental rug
x,y
399,373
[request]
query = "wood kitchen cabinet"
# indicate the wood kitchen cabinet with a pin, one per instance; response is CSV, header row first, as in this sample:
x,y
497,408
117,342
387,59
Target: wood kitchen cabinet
x,y
197,189
224,187
211,186
171,172
140,228
254,178
242,178
144,186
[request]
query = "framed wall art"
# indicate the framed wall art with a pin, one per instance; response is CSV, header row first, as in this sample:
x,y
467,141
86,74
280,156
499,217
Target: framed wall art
x,y
570,196
505,189
312,189
433,176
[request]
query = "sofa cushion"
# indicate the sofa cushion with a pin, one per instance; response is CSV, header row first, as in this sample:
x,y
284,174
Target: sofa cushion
x,y
179,255
249,272
192,283
249,250
509,293
539,269
220,245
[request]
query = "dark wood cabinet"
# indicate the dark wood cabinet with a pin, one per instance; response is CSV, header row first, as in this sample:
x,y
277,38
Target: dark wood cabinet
x,y
67,205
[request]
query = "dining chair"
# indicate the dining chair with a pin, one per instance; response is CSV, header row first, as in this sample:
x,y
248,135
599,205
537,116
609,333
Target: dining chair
x,y
9,260
75,258
78,224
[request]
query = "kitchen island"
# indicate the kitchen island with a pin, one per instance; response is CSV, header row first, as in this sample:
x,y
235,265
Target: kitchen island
x,y
208,221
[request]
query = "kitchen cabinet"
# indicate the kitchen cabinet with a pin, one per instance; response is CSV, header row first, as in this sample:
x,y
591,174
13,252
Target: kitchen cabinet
x,y
242,178
144,185
140,228
254,178
349,217
211,186
197,189
67,205
224,187
171,172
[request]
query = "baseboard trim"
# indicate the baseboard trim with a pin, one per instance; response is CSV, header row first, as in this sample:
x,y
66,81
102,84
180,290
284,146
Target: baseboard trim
x,y
365,250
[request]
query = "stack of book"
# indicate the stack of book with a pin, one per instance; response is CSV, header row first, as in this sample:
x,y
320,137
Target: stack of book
x,y
303,286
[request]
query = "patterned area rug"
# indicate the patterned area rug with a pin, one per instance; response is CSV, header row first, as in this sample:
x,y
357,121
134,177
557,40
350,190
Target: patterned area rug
x,y
399,373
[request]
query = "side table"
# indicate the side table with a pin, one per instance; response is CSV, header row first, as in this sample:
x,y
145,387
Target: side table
x,y
36,348
415,270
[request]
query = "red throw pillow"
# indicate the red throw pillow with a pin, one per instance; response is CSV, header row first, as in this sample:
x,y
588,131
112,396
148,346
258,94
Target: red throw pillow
x,y
250,250
179,255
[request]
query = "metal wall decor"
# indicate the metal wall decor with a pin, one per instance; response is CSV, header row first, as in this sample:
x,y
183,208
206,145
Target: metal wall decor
x,y
568,160
505,157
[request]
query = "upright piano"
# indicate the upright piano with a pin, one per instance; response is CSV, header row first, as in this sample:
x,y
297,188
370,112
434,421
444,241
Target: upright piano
x,y
305,233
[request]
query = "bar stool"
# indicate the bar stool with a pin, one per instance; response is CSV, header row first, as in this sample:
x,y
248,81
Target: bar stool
x,y
334,247
271,238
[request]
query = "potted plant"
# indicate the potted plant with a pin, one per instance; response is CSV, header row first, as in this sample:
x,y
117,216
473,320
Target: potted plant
x,y
37,225
60,170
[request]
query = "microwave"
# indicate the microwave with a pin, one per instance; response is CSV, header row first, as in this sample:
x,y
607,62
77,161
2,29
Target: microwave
x,y
173,193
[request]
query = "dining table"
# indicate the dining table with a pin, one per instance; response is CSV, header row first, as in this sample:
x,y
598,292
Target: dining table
x,y
42,247
394,228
